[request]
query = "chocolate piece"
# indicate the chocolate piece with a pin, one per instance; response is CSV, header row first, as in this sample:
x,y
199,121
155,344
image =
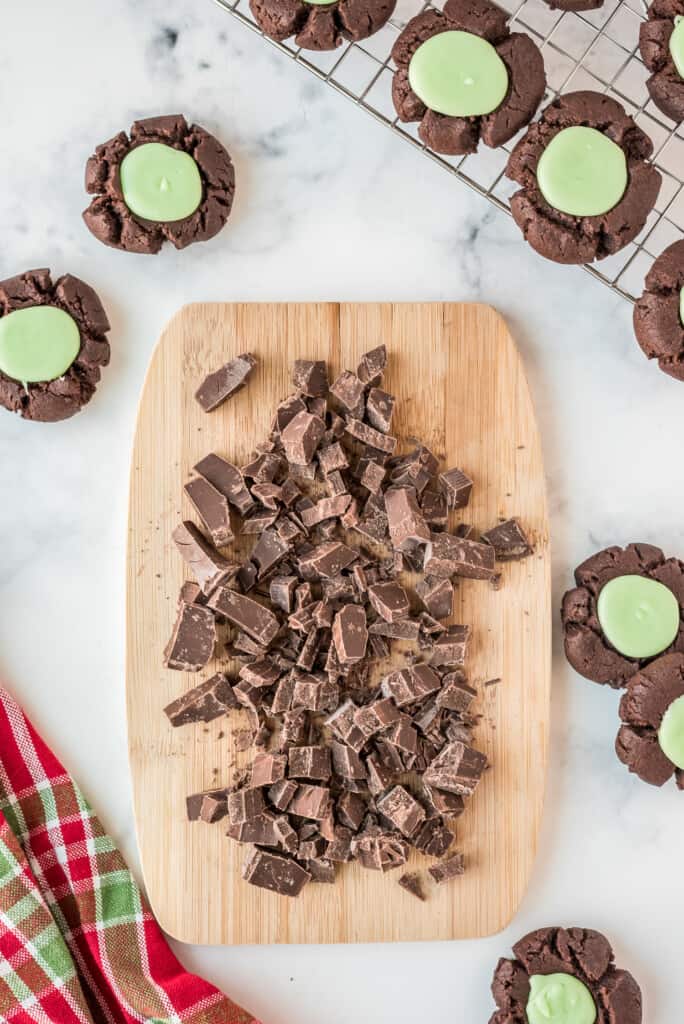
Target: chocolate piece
x,y
281,793
411,883
449,805
287,411
371,475
390,601
349,391
244,804
350,634
447,556
457,488
250,616
309,763
451,648
311,378
217,387
195,802
403,736
346,762
434,508
508,540
406,524
262,673
457,769
455,694
371,437
448,869
268,551
351,809
267,769
275,872
332,457
210,568
326,508
258,520
203,703
375,717
193,639
311,802
301,438
227,479
380,409
372,366
212,508
434,838
402,810
322,870
315,694
264,468
379,850
281,590
437,595
403,629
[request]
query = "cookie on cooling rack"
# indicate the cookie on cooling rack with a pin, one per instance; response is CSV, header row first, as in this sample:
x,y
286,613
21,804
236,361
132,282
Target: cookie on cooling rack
x,y
625,611
320,24
659,312
651,738
164,181
53,344
465,77
661,43
587,186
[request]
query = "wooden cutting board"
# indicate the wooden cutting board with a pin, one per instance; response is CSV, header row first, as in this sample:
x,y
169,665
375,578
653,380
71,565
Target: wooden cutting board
x,y
462,390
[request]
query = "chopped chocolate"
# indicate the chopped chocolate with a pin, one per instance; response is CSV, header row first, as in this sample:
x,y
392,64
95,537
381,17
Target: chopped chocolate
x,y
264,468
346,762
350,634
437,595
226,382
287,411
372,366
261,673
267,769
259,519
434,508
193,639
451,647
370,436
403,736
227,479
456,694
314,694
268,551
434,838
379,850
311,802
247,614
203,703
193,803
457,769
389,600
282,590
402,629
371,475
348,391
449,805
281,793
301,438
509,541
447,555
407,526
328,559
457,487
244,804
310,377
402,811
210,568
275,872
332,457
373,718
448,869
322,870
380,409
326,508
309,763
282,698
411,883
212,508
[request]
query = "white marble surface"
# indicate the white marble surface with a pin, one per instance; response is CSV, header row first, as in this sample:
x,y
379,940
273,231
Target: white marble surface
x,y
329,206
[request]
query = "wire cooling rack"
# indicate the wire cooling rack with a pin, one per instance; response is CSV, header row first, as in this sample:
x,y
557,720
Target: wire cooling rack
x,y
593,50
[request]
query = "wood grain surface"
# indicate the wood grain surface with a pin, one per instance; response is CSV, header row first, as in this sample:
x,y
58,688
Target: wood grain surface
x,y
462,390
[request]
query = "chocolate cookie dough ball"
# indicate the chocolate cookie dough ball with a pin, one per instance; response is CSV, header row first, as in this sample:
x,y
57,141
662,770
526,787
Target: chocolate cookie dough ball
x,y
651,739
625,611
661,42
53,342
320,24
465,78
659,313
165,181
587,188
561,975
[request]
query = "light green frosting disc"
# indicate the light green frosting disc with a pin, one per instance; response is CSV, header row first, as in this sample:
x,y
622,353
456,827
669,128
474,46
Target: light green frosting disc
x,y
38,344
639,616
559,999
582,172
458,74
677,45
671,733
160,183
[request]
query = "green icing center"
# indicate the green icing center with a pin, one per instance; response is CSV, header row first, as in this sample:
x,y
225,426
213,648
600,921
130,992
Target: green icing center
x,y
671,733
582,172
458,74
38,344
639,616
160,183
677,45
559,999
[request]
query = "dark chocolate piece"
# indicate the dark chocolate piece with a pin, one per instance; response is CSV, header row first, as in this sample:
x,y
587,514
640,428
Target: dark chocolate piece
x,y
217,387
203,703
509,541
310,377
411,883
457,488
195,802
389,600
457,769
210,568
227,479
407,526
350,634
372,366
193,639
451,648
437,595
370,436
447,555
212,508
448,869
402,811
275,872
250,616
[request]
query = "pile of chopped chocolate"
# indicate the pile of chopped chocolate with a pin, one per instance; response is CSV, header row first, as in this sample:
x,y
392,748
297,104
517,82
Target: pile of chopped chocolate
x,y
359,708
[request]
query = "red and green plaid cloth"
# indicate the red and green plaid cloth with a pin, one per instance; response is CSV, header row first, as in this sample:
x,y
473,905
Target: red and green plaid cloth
x,y
78,943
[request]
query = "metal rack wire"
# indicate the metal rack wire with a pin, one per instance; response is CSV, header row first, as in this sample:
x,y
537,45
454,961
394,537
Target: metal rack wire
x,y
592,50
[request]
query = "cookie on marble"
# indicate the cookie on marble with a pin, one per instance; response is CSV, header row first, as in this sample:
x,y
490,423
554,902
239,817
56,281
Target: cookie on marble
x,y
587,186
651,738
625,611
659,312
561,975
53,344
164,181
321,24
661,43
465,77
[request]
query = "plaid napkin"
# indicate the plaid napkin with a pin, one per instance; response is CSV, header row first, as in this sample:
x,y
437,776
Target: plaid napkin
x,y
78,943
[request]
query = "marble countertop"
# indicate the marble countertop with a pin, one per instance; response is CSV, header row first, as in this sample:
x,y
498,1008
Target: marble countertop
x,y
328,207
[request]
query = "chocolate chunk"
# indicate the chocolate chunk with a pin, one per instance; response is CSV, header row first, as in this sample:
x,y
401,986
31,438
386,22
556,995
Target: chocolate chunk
x,y
447,556
256,620
371,475
301,438
244,804
389,600
434,508
449,805
311,802
226,382
346,762
311,378
315,694
375,717
448,869
455,693
309,762
267,769
451,648
203,703
457,769
403,736
411,883
282,699
437,595
380,410
212,508
326,508
350,634
275,872
268,551
402,629
332,457
257,520
434,838
372,366
349,392
457,487
370,436
402,810
214,798
406,524
287,411
227,479
379,850
281,793
508,540
264,468
281,590
210,568
262,673
193,639
322,870
266,829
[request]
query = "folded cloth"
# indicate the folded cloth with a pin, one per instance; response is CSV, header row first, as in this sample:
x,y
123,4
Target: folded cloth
x,y
78,942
